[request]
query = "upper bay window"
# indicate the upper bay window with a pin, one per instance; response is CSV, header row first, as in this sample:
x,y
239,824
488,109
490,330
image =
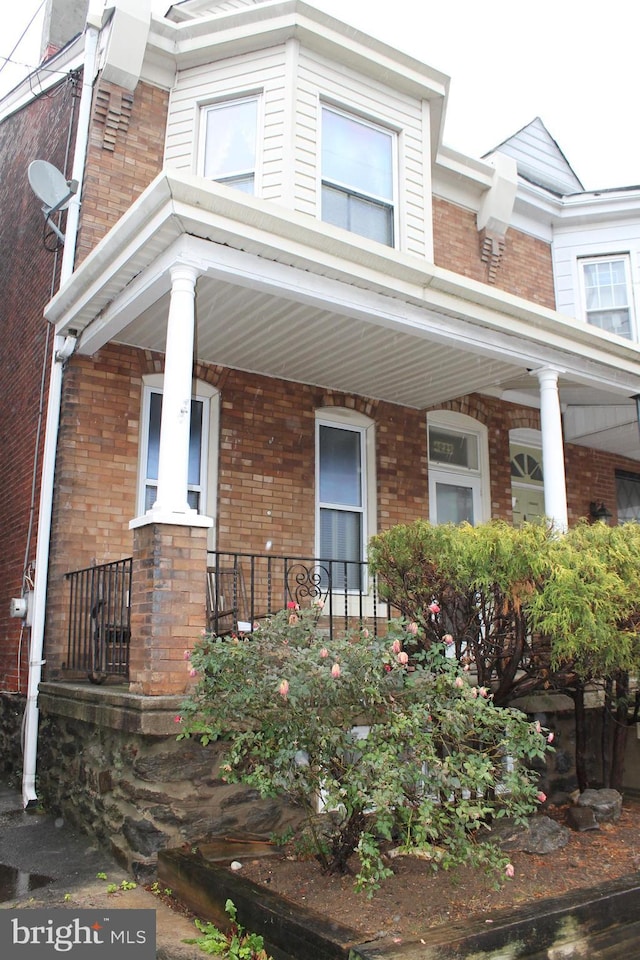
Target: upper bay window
x,y
607,294
358,176
230,133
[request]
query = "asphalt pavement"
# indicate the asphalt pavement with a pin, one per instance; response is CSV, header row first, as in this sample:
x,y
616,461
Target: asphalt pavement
x,y
46,863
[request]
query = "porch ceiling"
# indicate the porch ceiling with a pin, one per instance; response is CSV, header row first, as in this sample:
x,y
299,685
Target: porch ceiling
x,y
269,335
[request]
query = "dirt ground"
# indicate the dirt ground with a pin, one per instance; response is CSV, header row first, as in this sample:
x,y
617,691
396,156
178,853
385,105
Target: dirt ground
x,y
417,898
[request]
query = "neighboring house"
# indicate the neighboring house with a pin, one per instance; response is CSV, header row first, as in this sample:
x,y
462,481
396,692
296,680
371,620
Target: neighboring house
x,y
285,316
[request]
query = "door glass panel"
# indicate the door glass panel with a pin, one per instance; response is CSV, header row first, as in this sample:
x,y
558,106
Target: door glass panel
x,y
454,503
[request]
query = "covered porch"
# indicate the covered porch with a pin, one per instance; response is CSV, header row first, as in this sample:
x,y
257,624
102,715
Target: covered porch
x,y
206,276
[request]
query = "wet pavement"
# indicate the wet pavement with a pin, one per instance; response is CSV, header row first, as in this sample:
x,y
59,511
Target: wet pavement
x,y
44,862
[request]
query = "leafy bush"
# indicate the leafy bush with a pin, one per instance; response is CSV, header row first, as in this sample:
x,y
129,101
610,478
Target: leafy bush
x,y
368,748
482,580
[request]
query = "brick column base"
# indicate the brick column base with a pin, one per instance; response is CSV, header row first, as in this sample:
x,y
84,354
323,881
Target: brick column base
x,y
168,596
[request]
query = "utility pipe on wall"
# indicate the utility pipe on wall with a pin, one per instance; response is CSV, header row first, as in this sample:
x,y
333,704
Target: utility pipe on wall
x,y
30,747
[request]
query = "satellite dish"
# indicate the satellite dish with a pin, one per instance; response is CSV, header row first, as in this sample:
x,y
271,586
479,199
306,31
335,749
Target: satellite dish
x,y
51,187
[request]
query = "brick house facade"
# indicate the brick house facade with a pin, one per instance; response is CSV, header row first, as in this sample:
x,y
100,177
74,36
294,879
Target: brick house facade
x,y
295,322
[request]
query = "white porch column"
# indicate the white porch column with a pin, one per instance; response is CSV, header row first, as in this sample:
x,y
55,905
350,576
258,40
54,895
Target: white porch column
x,y
555,489
173,463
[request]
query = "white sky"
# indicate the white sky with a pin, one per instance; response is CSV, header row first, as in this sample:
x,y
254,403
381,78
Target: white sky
x,y
574,63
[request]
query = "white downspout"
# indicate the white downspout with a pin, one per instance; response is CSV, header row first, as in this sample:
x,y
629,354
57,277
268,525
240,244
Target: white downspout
x,y
30,748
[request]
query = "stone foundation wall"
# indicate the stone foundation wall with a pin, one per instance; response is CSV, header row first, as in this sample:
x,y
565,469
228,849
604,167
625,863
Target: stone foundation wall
x,y
11,713
109,762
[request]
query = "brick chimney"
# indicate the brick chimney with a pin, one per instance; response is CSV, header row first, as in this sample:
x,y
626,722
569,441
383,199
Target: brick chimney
x,y
63,20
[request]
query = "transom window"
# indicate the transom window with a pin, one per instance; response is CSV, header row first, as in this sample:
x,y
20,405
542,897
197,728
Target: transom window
x,y
357,176
230,138
607,294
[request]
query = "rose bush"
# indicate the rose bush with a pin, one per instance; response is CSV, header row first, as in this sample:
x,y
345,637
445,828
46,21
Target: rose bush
x,y
369,749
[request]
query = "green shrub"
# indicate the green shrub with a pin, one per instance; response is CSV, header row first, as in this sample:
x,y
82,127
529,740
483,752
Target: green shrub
x,y
368,747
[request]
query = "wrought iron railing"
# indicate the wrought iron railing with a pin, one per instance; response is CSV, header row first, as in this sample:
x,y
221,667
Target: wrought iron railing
x,y
244,588
99,620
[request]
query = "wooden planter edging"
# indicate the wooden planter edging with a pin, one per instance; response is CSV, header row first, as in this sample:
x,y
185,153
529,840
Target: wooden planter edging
x,y
598,921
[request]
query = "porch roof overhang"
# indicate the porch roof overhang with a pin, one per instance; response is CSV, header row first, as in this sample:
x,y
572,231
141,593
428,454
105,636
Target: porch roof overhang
x,y
283,295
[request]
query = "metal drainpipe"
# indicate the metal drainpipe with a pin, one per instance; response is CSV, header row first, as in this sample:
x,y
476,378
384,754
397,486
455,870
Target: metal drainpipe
x,y
30,748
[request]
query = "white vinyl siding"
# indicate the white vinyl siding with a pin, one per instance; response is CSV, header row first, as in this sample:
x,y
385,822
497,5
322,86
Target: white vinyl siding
x,y
260,75
572,247
324,83
290,78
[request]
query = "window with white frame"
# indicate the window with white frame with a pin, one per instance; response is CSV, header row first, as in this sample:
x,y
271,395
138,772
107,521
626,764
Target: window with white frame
x,y
627,496
202,448
344,508
606,284
229,141
458,469
358,175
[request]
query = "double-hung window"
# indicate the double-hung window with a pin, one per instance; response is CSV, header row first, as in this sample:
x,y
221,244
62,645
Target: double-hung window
x,y
607,294
358,176
196,473
202,465
229,142
341,486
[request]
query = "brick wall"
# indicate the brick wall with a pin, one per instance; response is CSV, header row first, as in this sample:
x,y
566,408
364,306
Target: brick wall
x,y
524,267
126,147
28,274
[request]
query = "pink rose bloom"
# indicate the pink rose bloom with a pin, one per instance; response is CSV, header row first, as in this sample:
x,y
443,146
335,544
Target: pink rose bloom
x,y
365,633
510,870
388,667
293,618
177,719
396,646
541,796
538,726
324,653
550,738
283,689
319,604
459,682
483,691
193,673
434,607
292,605
412,627
403,657
335,671
448,639
187,655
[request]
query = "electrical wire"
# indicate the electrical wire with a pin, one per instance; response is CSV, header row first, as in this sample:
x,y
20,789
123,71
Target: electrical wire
x,y
22,36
